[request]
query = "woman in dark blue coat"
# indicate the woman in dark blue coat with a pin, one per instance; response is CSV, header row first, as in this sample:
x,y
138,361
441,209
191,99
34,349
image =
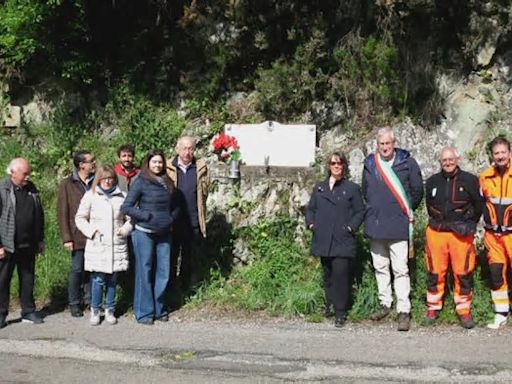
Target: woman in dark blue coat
x,y
334,214
151,207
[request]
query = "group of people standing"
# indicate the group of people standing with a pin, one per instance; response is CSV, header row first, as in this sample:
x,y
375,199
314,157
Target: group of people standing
x,y
120,217
392,189
109,217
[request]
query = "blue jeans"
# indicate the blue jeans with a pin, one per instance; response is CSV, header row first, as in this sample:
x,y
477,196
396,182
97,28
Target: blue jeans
x,y
152,273
98,281
79,284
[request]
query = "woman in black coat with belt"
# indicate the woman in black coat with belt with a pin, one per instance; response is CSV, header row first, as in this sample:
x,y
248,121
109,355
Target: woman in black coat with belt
x,y
334,214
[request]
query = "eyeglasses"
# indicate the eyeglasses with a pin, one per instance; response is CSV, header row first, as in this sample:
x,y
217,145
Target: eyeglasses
x,y
89,161
107,179
337,163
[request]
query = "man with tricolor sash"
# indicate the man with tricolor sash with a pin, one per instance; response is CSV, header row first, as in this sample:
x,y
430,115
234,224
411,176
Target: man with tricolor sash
x,y
393,189
496,188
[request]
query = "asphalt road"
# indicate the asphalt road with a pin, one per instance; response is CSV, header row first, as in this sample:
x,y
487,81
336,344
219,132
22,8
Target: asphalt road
x,y
69,350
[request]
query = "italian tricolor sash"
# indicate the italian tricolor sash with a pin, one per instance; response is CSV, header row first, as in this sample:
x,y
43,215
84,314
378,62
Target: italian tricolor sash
x,y
397,189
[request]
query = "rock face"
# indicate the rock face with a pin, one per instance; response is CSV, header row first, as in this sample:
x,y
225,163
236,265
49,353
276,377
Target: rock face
x,y
475,111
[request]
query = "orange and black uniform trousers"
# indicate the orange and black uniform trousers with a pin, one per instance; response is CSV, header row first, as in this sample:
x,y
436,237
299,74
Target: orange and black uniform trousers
x,y
444,250
497,190
454,206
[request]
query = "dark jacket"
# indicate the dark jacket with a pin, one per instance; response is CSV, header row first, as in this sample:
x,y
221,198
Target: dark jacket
x,y
8,212
384,218
150,205
332,213
203,181
454,202
71,190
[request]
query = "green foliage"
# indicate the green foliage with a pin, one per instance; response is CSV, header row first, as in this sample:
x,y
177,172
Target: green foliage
x,y
143,122
367,78
290,87
281,278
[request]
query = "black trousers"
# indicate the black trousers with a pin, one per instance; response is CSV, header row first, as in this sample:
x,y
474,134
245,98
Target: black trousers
x,y
24,260
337,283
184,239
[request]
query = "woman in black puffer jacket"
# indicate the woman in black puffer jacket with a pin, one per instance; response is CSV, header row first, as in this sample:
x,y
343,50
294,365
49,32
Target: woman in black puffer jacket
x,y
150,205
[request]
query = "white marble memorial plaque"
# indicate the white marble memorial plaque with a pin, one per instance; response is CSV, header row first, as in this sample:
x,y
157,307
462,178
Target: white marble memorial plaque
x,y
274,144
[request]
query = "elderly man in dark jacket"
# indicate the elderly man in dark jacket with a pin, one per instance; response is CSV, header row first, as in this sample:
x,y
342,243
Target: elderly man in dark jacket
x,y
21,238
454,208
334,213
393,189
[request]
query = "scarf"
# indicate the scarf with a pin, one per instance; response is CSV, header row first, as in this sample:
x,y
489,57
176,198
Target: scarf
x,y
129,175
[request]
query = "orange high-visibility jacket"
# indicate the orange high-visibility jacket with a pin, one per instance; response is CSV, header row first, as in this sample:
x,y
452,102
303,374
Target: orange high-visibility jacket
x,y
497,191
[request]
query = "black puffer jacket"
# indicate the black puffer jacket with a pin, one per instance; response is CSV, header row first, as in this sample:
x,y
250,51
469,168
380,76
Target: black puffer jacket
x,y
454,202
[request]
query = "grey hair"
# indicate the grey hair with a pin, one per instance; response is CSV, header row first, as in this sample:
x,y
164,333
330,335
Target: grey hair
x,y
451,149
13,164
186,137
385,131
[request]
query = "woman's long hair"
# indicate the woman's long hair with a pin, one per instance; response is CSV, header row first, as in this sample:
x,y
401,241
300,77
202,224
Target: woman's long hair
x,y
146,172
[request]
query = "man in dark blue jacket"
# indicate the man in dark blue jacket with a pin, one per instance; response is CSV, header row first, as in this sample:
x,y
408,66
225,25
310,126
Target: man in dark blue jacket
x,y
393,189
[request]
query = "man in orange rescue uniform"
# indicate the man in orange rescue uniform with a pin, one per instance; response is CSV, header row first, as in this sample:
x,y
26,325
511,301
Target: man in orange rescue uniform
x,y
454,207
496,188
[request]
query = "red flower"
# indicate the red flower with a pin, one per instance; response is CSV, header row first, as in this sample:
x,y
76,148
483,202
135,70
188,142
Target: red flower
x,y
226,147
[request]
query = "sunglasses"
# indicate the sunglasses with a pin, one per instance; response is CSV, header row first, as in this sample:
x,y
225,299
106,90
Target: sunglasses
x,y
336,163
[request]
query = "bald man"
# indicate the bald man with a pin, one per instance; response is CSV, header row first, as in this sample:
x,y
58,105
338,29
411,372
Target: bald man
x,y
21,238
454,207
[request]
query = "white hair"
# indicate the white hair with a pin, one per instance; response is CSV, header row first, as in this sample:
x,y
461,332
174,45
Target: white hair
x,y
183,138
385,131
451,149
13,164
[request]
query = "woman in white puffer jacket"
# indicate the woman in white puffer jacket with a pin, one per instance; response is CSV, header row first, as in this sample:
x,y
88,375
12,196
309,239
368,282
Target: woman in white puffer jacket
x,y
100,219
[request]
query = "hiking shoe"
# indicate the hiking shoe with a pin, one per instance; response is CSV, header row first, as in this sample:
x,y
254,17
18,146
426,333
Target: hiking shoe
x,y
499,320
380,313
75,310
110,317
95,317
431,316
466,321
32,318
3,321
339,322
404,321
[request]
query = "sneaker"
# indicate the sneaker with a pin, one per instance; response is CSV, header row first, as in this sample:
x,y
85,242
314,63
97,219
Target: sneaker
x,y
431,316
404,321
76,311
95,317
3,321
499,320
339,322
380,313
110,316
32,318
466,321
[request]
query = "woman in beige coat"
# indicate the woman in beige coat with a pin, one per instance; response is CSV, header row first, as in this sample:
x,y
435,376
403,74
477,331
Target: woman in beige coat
x,y
100,219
